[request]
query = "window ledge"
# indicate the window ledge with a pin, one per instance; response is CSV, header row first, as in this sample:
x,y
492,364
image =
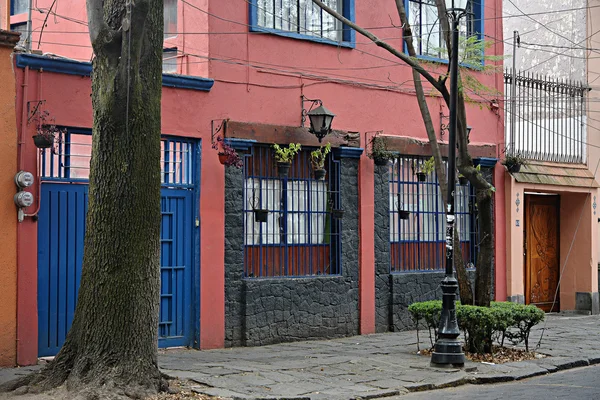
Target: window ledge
x,y
445,62
299,36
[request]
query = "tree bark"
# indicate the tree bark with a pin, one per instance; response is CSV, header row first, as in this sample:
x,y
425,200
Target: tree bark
x,y
111,349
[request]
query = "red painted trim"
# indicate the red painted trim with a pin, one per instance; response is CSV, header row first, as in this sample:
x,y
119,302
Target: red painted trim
x,y
366,199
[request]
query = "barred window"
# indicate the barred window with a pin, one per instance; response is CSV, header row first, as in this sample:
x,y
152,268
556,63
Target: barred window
x,y
301,17
299,236
428,37
418,219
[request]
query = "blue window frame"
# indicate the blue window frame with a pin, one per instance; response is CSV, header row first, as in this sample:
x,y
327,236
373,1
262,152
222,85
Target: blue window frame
x,y
428,37
301,19
300,236
418,221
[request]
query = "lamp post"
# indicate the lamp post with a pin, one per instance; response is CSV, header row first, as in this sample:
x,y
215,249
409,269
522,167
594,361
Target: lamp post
x,y
448,349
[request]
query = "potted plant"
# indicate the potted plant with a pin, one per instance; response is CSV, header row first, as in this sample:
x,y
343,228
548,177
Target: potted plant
x,y
514,162
462,179
379,152
260,214
227,155
317,159
46,132
284,157
425,169
402,213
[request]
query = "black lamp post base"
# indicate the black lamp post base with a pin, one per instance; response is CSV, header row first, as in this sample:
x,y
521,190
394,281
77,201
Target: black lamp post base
x,y
448,352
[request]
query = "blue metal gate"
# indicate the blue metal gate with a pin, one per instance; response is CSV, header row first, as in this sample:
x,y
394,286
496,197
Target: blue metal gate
x,y
61,229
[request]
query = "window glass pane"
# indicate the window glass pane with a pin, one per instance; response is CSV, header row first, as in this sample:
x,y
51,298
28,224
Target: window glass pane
x,y
169,65
300,16
170,15
19,6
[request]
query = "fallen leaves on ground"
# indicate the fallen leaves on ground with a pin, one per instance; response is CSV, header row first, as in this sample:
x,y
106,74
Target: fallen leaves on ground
x,y
500,355
181,390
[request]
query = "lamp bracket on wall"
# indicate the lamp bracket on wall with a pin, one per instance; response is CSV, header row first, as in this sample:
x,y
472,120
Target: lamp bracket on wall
x,y
444,126
313,103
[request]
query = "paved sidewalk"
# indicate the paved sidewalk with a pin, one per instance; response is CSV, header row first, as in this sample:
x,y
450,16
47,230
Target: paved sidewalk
x,y
365,367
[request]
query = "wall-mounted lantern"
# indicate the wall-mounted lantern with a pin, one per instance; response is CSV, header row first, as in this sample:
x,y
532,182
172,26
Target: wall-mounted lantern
x,y
320,118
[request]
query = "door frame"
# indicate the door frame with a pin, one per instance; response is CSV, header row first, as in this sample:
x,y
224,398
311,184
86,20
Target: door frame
x,y
526,267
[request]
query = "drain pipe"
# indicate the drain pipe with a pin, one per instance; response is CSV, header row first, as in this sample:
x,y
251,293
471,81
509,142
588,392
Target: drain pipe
x,y
28,42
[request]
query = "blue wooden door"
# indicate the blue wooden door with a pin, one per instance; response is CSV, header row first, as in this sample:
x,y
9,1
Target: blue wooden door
x,y
61,229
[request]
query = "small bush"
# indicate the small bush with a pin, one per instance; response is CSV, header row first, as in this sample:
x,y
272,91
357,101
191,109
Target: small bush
x,y
482,326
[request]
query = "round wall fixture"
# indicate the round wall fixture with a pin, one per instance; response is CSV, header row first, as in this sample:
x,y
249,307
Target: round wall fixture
x,y
24,179
23,199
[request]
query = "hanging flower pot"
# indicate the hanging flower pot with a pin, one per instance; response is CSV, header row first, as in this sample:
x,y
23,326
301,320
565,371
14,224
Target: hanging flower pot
x,y
381,161
283,169
319,174
421,176
260,215
463,180
403,214
513,168
223,158
43,141
337,213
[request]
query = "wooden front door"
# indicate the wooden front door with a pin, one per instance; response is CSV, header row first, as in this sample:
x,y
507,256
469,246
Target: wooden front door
x,y
542,252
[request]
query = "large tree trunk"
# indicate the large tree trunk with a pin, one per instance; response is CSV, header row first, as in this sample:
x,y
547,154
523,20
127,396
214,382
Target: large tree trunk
x,y
112,344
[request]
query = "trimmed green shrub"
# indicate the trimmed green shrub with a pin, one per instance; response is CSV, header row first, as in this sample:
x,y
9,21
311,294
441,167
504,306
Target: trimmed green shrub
x,y
481,326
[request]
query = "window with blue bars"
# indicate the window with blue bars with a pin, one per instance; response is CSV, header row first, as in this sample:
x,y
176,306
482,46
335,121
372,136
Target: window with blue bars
x,y
300,234
69,159
418,219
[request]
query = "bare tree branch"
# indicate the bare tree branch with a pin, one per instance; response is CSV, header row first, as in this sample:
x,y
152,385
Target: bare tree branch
x,y
384,45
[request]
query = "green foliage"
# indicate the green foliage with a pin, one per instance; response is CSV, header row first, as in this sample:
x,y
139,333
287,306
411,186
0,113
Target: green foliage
x,y
379,150
286,154
514,159
482,326
317,157
428,166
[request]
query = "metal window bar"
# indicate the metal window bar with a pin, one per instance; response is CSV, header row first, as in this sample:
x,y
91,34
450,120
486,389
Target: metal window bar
x,y
417,241
70,160
300,236
550,118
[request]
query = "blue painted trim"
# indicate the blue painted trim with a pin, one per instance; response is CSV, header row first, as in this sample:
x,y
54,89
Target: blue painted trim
x,y
485,162
348,34
240,144
72,67
348,152
197,166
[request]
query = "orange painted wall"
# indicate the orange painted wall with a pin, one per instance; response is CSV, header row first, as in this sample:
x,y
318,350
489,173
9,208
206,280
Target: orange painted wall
x,y
8,214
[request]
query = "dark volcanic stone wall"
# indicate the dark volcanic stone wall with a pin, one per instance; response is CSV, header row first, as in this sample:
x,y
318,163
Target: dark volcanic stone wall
x,y
264,311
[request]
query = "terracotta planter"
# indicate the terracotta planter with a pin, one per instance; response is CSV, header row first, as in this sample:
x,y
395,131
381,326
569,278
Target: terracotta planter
x,y
421,176
43,142
319,174
261,215
222,158
283,169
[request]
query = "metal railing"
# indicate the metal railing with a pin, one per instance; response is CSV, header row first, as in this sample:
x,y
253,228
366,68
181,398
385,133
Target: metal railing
x,y
545,118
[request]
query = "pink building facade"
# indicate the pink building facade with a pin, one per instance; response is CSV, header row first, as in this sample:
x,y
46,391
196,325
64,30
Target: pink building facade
x,y
233,71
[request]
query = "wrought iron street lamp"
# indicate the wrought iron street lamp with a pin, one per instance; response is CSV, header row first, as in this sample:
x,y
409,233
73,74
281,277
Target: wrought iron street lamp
x,y
448,349
320,118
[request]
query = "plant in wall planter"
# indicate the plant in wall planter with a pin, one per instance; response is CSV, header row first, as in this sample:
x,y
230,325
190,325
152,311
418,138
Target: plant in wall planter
x,y
514,162
284,157
425,169
227,155
462,179
317,159
379,153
